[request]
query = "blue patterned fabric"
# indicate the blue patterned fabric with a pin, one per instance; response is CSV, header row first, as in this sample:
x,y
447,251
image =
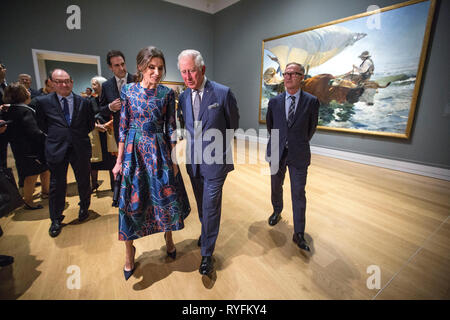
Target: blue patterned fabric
x,y
152,199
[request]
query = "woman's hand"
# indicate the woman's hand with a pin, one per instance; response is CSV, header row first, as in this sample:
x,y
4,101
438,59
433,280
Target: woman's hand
x,y
117,169
100,127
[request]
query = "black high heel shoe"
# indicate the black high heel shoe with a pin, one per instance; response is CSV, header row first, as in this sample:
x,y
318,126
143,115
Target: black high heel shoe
x,y
128,274
172,254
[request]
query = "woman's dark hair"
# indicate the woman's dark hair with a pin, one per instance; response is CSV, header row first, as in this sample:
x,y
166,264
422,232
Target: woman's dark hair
x,y
15,93
143,59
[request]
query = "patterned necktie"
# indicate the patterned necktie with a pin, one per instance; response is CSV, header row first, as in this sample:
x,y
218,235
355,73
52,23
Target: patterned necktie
x,y
66,110
196,105
121,83
291,111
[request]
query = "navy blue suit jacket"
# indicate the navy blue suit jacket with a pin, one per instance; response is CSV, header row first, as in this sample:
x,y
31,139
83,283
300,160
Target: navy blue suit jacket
x,y
300,132
109,94
61,136
219,111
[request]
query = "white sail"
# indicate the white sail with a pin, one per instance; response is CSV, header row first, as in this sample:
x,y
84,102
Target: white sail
x,y
312,48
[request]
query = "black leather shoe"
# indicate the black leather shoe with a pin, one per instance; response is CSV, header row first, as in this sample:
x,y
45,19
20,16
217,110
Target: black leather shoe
x,y
199,242
55,229
274,218
83,214
299,239
206,266
6,260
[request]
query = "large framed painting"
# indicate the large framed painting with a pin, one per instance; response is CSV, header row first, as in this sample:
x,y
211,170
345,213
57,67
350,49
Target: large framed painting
x,y
365,70
177,87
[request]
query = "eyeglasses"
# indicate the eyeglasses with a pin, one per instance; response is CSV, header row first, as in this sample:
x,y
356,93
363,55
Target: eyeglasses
x,y
67,81
290,74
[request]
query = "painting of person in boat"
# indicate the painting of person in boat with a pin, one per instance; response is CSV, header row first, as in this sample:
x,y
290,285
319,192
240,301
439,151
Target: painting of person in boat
x,y
366,75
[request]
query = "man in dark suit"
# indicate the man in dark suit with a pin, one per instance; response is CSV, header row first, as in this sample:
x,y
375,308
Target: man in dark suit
x,y
294,116
110,103
208,108
67,119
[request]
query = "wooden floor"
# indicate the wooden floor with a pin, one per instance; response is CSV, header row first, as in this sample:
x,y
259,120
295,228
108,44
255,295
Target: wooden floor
x,y
358,216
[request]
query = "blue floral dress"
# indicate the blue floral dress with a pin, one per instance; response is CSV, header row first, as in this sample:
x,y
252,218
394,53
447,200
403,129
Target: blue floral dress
x,y
152,199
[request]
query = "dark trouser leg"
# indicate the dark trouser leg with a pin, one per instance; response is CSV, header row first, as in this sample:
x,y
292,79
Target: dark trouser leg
x,y
276,181
82,169
3,151
298,183
197,187
111,179
212,208
58,186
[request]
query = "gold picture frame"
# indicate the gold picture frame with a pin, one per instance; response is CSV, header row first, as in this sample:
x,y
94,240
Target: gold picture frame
x,y
365,69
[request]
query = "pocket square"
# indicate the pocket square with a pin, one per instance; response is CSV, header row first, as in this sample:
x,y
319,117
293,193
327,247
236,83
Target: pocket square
x,y
212,106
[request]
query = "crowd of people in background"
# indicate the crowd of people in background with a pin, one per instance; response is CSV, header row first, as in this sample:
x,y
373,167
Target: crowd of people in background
x,y
127,126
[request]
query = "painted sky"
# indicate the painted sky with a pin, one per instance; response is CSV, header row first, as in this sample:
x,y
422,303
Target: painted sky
x,y
394,40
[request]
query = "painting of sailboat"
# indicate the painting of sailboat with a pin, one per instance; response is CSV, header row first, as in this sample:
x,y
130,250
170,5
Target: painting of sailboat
x,y
365,69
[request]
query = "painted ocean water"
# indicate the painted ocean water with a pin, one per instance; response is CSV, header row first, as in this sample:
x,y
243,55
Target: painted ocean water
x,y
390,109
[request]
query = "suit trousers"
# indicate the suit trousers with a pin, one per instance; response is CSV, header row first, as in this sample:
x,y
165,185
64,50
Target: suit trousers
x,y
298,183
208,195
58,183
3,150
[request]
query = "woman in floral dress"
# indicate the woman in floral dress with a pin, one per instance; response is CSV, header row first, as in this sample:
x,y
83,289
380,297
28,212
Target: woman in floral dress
x,y
152,194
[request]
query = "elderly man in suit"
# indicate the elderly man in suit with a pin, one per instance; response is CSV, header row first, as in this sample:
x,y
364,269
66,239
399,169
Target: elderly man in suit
x,y
294,113
208,108
67,119
110,103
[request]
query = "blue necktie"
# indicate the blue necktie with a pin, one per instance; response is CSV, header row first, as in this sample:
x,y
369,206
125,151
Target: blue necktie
x,y
66,110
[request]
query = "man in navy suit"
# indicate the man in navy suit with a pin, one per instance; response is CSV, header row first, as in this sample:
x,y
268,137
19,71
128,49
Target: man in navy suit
x,y
67,119
209,110
110,103
294,114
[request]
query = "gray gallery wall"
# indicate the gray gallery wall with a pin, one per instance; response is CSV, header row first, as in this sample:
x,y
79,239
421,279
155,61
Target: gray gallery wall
x,y
238,34
105,24
231,42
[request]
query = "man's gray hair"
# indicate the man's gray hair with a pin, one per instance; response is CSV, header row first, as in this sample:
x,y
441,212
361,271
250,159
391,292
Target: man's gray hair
x,y
196,55
302,68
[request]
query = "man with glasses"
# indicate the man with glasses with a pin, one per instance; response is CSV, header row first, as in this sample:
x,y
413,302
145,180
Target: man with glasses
x,y
294,113
67,119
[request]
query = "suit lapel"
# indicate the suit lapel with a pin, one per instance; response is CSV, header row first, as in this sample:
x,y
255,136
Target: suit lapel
x,y
130,78
188,106
282,106
76,108
114,84
300,108
208,97
58,107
